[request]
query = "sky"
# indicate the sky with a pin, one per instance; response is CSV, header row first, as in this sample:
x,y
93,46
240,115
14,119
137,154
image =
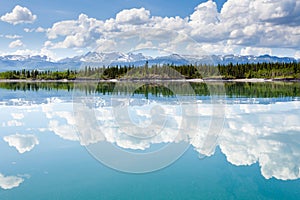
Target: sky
x,y
68,28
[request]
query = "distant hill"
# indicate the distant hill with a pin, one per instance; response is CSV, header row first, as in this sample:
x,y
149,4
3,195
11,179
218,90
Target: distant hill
x,y
94,59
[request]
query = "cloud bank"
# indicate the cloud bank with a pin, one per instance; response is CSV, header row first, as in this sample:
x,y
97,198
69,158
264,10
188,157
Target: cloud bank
x,y
264,134
249,26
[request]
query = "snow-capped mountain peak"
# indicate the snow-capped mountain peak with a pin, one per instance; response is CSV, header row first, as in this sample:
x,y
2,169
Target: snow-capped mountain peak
x,y
96,59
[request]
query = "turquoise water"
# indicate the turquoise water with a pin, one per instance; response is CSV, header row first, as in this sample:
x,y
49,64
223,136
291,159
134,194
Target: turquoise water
x,y
73,174
256,156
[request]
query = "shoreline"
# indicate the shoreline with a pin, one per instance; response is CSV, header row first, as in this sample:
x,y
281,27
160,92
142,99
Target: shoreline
x,y
253,80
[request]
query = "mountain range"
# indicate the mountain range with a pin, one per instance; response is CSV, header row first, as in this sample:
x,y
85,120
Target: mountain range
x,y
94,59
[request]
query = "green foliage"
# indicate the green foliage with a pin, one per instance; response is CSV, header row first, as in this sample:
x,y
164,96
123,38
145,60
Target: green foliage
x,y
166,71
38,75
261,70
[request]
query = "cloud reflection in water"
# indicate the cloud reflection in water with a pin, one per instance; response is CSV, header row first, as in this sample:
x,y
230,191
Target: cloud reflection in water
x,y
267,134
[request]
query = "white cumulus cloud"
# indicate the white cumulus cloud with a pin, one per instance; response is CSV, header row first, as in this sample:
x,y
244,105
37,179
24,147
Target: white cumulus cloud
x,y
277,11
22,143
205,13
9,182
19,15
16,43
78,33
133,16
65,131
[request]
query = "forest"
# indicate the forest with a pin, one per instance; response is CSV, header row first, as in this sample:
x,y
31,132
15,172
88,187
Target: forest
x,y
165,71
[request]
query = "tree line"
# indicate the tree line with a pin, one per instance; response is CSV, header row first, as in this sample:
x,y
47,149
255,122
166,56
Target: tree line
x,y
39,75
165,71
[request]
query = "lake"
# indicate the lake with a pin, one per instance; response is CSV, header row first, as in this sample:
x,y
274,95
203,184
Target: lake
x,y
160,140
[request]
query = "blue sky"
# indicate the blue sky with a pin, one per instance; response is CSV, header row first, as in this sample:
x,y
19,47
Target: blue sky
x,y
72,27
100,9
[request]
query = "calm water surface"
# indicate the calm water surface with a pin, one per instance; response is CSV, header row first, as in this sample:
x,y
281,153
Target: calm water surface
x,y
51,132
